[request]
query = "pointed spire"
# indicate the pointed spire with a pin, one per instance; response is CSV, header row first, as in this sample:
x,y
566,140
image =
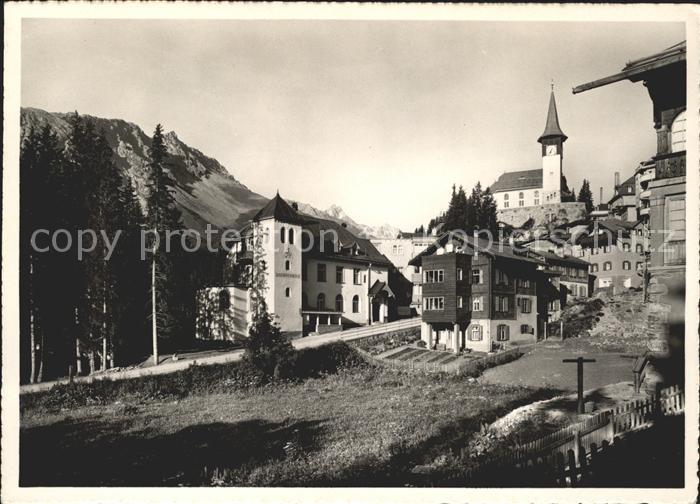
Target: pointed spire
x,y
552,128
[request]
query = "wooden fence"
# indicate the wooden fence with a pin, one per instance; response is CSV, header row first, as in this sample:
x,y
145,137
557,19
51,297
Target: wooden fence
x,y
569,456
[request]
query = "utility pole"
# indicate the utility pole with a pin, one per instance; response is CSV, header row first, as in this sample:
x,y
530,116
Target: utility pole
x,y
579,376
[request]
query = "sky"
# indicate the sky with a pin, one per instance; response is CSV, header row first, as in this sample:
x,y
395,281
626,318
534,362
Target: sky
x,y
378,117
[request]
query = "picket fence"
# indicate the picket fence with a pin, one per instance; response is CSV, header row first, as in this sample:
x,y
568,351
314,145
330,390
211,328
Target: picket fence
x,y
562,459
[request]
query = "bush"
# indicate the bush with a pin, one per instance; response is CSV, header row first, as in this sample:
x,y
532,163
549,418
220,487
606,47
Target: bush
x,y
476,367
267,350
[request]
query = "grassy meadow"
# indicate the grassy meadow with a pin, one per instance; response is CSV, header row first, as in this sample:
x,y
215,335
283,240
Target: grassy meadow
x,y
349,424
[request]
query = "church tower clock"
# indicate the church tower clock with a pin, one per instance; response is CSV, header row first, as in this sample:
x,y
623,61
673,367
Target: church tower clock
x,y
552,141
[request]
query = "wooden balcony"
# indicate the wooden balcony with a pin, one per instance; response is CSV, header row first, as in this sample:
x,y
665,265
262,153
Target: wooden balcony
x,y
670,165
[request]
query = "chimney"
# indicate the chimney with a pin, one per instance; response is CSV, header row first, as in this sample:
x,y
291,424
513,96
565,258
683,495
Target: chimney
x,y
601,196
617,179
295,206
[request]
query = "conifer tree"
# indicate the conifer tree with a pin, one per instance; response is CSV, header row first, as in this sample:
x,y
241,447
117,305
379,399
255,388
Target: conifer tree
x,y
585,196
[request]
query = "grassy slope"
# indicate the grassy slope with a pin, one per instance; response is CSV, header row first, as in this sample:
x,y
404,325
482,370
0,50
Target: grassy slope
x,y
361,426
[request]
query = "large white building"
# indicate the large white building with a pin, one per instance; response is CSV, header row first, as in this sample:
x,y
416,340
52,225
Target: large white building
x,y
319,277
530,188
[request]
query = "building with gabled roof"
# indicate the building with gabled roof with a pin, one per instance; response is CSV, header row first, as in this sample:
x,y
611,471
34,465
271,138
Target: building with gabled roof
x,y
319,277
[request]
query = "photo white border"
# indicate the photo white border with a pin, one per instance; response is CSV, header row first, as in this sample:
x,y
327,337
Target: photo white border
x,y
15,12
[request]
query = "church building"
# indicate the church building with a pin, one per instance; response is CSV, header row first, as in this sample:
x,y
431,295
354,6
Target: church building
x,y
532,188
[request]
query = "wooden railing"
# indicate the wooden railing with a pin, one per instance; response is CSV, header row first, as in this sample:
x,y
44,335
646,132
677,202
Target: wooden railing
x,y
565,457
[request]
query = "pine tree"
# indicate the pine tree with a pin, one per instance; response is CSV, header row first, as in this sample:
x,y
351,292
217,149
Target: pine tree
x,y
162,217
585,195
488,215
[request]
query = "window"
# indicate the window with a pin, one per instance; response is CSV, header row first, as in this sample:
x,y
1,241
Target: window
x,y
501,303
582,273
537,197
506,204
356,278
537,201
594,268
476,276
224,300
580,252
339,274
626,265
475,333
502,332
626,247
639,248
594,251
394,249
434,303
400,249
678,133
607,266
501,277
460,276
282,234
606,249
290,233
321,301
521,202
321,272
525,305
287,265
356,304
434,276
477,303
460,302
527,329
339,303
521,196
287,292
505,196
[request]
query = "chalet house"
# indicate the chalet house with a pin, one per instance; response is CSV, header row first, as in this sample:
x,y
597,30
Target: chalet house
x,y
319,277
663,198
479,296
573,272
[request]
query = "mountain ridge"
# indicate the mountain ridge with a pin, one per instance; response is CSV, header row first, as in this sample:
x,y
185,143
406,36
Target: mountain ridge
x,y
205,191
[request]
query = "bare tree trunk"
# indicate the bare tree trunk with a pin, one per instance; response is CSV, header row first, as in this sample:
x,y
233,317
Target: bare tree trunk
x,y
104,333
154,321
78,361
91,360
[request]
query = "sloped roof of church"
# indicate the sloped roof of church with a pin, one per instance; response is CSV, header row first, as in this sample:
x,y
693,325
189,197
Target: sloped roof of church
x,y
511,181
277,208
552,128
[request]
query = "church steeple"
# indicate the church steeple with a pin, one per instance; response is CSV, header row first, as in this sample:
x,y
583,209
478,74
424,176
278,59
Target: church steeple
x,y
552,130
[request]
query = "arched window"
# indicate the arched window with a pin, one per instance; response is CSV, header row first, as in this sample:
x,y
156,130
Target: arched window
x,y
282,234
291,236
594,268
521,195
640,249
537,194
626,247
288,292
339,303
224,300
678,133
505,196
640,265
626,265
321,301
304,300
287,265
607,266
356,304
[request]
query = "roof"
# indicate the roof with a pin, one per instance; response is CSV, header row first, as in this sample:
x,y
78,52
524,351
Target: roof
x,y
552,128
622,190
471,245
637,69
510,181
277,208
378,287
550,257
348,246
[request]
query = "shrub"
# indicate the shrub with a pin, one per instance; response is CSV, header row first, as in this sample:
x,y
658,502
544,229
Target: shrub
x,y
266,349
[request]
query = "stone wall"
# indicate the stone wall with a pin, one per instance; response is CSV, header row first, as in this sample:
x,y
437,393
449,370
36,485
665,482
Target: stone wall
x,y
543,215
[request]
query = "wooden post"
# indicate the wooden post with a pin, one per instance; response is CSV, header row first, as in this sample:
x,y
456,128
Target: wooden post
x,y
579,376
561,329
